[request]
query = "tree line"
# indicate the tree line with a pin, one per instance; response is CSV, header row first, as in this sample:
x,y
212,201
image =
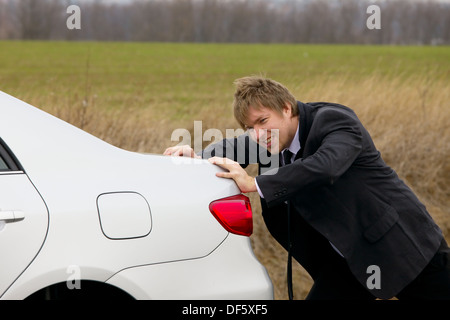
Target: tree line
x,y
249,21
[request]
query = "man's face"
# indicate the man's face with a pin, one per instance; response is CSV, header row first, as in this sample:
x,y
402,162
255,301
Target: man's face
x,y
270,129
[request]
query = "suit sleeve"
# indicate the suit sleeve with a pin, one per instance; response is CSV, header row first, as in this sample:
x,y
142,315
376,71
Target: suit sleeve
x,y
338,137
241,149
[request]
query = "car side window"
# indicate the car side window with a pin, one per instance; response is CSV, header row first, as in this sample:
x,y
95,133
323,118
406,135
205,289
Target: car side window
x,y
8,161
3,165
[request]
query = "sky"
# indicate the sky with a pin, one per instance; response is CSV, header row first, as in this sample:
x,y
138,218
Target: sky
x,y
127,1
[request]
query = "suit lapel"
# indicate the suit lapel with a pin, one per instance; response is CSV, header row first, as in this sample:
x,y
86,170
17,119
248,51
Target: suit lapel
x,y
305,121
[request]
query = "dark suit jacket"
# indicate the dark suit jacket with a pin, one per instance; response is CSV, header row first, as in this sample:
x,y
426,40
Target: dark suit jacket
x,y
342,192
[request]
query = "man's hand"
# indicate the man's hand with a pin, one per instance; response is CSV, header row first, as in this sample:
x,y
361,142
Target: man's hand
x,y
181,151
245,182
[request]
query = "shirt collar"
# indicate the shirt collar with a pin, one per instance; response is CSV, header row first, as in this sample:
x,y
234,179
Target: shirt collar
x,y
294,147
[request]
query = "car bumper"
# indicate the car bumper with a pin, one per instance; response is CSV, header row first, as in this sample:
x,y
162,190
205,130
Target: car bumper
x,y
230,272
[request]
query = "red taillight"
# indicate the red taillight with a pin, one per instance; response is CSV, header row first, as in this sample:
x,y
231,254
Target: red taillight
x,y
234,214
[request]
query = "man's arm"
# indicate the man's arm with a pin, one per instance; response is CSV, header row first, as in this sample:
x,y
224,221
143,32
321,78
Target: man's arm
x,y
241,149
233,155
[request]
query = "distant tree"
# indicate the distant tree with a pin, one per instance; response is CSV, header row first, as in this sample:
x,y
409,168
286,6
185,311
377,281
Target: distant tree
x,y
266,21
37,19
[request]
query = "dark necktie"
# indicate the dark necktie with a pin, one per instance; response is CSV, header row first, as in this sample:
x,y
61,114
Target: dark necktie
x,y
287,157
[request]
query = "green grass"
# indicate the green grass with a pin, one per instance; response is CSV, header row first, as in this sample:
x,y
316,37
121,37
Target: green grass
x,y
180,78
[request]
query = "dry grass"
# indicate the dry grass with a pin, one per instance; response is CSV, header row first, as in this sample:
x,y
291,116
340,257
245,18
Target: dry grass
x,y
409,121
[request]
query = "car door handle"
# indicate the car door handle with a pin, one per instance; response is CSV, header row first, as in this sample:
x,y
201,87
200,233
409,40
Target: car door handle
x,y
11,216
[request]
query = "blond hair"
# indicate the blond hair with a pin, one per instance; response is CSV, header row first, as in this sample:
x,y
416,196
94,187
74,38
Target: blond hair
x,y
259,92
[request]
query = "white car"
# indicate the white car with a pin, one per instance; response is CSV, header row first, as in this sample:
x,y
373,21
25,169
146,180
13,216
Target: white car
x,y
80,218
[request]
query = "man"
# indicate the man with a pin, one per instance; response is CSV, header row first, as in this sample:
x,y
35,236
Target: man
x,y
334,204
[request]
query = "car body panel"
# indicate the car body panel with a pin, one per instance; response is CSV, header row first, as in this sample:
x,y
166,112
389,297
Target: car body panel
x,y
188,279
21,239
71,169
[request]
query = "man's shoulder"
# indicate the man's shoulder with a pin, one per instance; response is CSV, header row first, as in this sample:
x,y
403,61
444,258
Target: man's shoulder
x,y
332,106
330,110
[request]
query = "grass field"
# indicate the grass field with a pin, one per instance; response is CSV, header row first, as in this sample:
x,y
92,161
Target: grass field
x,y
134,95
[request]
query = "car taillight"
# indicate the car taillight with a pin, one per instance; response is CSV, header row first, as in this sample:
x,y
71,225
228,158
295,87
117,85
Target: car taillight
x,y
234,214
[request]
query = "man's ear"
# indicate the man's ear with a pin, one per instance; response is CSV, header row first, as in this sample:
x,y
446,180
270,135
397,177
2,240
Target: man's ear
x,y
287,109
